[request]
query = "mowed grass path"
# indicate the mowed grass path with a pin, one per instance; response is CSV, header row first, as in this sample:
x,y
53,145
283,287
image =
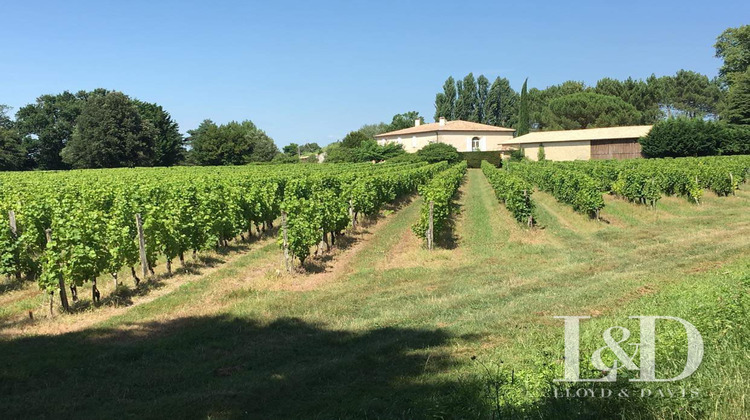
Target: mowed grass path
x,y
392,337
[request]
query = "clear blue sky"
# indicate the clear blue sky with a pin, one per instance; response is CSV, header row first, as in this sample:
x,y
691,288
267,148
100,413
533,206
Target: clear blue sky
x,y
312,71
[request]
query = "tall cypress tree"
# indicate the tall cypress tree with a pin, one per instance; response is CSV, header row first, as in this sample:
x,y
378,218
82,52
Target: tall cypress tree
x,y
523,111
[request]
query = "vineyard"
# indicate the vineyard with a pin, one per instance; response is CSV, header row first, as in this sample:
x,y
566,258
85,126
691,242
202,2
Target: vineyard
x,y
68,228
433,277
581,184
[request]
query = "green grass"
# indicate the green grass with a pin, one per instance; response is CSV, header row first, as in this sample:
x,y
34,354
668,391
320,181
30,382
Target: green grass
x,y
394,337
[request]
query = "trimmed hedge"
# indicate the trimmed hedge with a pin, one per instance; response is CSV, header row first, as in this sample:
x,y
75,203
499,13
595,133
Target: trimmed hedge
x,y
682,137
474,159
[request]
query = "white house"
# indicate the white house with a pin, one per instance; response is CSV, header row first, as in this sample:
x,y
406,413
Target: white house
x,y
465,136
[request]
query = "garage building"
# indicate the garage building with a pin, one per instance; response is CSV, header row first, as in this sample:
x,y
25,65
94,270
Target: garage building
x,y
585,144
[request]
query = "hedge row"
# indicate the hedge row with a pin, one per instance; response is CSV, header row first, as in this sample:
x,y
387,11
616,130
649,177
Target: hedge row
x,y
681,137
513,191
474,159
440,191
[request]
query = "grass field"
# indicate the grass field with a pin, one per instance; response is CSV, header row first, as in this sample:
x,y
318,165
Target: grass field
x,y
391,330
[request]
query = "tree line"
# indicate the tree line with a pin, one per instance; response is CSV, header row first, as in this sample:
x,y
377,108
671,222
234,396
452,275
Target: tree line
x,y
610,102
108,129
572,104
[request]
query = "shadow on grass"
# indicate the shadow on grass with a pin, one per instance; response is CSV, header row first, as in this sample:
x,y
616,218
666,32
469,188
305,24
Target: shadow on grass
x,y
222,367
225,367
9,284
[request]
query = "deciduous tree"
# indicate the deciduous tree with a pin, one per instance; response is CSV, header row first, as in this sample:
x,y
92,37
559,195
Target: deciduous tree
x,y
483,91
737,109
733,47
405,120
466,104
234,143
353,139
110,133
48,124
445,102
12,153
168,142
501,106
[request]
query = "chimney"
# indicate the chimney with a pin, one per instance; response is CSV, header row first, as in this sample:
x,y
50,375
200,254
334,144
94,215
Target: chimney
x,y
442,121
417,122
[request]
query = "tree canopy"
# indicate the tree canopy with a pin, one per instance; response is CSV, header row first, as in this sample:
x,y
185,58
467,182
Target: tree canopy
x,y
588,110
168,143
354,139
686,93
234,143
466,103
405,120
501,105
733,47
445,101
110,133
737,110
48,124
12,152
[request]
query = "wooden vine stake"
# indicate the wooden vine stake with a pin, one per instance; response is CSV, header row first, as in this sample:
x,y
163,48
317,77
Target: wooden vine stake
x,y
286,242
142,245
351,213
61,282
526,199
14,233
431,228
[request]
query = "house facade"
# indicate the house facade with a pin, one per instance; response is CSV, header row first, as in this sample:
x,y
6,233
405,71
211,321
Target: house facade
x,y
585,144
465,136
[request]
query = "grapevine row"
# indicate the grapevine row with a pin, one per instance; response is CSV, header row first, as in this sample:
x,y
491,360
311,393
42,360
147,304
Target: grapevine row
x,y
513,191
438,195
90,216
568,184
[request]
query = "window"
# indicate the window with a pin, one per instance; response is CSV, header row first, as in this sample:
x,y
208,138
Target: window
x,y
475,144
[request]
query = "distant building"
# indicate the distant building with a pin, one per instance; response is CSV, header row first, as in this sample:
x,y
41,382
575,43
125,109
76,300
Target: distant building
x,y
585,144
465,136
